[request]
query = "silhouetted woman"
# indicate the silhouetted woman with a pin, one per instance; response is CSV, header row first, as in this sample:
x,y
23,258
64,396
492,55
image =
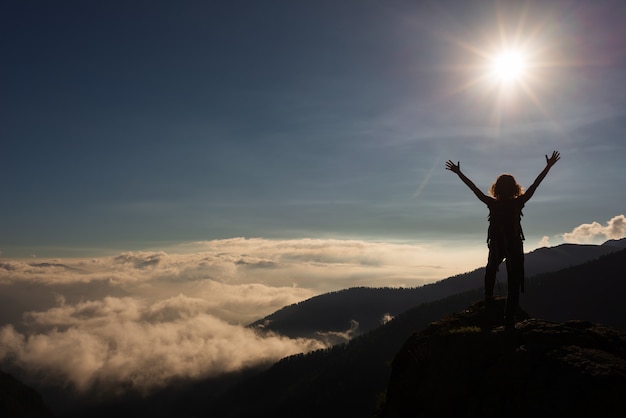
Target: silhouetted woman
x,y
505,234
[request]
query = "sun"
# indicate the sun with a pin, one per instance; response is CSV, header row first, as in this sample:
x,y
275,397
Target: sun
x,y
508,66
510,69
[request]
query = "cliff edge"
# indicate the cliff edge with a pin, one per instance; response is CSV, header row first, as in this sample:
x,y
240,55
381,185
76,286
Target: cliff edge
x,y
466,365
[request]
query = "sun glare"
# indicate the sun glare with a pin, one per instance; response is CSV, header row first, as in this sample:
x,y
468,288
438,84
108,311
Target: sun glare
x,y
508,66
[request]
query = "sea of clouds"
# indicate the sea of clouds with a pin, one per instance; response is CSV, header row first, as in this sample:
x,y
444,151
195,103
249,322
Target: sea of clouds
x,y
142,318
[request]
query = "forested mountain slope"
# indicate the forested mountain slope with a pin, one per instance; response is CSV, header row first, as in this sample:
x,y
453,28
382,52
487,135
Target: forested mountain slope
x,y
337,312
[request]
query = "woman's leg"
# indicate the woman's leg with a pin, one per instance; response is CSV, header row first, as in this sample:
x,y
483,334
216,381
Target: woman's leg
x,y
515,276
493,262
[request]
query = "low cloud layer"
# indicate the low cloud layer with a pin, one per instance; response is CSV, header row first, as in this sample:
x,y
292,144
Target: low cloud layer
x,y
143,318
615,228
138,344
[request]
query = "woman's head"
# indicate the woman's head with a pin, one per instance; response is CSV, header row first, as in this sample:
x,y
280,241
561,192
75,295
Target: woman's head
x,y
506,187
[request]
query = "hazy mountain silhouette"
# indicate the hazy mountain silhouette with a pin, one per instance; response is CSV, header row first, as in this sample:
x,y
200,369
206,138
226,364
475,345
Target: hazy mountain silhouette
x,y
337,312
20,401
63,266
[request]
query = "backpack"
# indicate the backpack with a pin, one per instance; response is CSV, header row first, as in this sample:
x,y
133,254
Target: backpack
x,y
505,220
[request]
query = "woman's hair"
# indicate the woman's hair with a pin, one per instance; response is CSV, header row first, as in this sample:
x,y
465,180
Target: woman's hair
x,y
506,187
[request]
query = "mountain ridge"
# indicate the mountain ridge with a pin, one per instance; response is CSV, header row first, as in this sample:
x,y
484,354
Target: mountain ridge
x,y
331,317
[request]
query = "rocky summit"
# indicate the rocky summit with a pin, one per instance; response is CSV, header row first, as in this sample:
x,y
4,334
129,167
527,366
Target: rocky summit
x,y
467,365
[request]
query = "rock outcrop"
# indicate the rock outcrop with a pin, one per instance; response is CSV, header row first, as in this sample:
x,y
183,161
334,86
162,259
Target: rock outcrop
x,y
467,365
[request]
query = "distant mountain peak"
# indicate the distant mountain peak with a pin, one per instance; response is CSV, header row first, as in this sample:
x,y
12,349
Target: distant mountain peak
x,y
620,243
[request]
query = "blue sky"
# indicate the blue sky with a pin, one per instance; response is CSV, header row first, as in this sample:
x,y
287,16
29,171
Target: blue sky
x,y
145,124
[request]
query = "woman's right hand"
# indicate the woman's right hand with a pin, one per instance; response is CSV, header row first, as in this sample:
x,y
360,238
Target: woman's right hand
x,y
455,168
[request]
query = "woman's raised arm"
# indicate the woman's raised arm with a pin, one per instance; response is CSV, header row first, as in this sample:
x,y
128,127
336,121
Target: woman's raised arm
x,y
456,168
550,161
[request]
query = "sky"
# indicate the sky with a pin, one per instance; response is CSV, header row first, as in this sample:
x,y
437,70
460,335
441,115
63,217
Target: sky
x,y
171,164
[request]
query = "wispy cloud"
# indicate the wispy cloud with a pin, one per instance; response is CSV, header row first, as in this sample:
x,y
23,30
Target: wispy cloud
x,y
545,241
337,337
308,263
615,228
